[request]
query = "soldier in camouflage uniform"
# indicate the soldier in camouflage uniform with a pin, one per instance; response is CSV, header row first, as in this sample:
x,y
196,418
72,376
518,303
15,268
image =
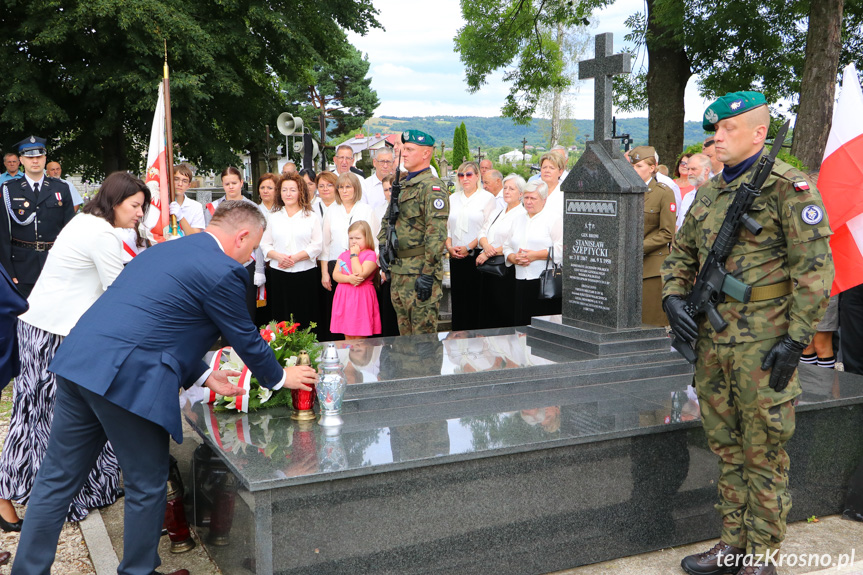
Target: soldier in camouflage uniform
x,y
745,376
421,231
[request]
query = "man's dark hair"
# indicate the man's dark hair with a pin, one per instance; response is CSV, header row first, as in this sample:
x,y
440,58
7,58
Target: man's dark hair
x,y
234,214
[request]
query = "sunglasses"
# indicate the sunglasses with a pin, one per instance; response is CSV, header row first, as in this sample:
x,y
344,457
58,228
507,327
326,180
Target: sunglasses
x,y
466,175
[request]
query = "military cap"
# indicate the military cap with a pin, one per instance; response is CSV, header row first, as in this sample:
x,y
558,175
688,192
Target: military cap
x,y
730,105
417,137
31,147
642,153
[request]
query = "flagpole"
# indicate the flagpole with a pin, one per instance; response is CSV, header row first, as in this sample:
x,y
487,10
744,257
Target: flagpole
x,y
169,138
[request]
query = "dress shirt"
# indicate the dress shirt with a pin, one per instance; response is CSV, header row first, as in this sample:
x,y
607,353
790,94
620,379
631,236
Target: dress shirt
x,y
336,224
373,191
467,215
555,198
193,212
5,177
33,182
498,227
77,200
663,179
85,260
499,201
684,207
290,235
539,232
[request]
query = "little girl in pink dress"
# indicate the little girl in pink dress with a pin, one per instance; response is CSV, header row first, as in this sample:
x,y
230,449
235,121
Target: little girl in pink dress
x,y
355,303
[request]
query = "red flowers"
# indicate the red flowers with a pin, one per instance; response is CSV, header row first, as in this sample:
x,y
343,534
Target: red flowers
x,y
285,329
268,335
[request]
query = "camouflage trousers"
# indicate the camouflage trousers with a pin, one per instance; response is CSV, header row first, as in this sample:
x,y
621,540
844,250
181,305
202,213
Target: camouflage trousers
x,y
747,425
414,316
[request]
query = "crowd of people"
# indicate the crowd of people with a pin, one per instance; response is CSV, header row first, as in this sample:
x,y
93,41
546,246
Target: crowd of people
x,y
311,251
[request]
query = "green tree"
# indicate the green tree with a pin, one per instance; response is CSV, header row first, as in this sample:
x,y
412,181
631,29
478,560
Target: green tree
x,y
460,148
336,97
525,38
86,73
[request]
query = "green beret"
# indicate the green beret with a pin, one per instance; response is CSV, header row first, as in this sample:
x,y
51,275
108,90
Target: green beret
x,y
730,105
641,153
417,137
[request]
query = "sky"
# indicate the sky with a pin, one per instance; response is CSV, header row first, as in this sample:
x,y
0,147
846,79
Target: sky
x,y
416,72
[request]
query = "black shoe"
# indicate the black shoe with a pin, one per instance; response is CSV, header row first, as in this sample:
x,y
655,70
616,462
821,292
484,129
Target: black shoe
x,y
721,559
9,527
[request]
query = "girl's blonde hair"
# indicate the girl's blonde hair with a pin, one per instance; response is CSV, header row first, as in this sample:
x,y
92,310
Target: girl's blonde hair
x,y
367,232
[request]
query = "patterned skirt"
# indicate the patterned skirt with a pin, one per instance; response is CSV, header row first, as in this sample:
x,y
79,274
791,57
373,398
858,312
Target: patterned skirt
x,y
32,412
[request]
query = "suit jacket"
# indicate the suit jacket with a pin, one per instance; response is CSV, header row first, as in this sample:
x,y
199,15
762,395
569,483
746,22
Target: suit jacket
x,y
146,336
12,304
53,210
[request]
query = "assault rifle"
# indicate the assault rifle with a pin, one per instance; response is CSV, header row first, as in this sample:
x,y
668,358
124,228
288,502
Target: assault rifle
x,y
389,252
714,281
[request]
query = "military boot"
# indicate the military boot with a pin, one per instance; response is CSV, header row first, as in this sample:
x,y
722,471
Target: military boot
x,y
721,559
759,570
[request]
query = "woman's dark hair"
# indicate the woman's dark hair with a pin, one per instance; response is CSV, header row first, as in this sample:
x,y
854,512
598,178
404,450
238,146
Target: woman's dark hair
x,y
682,156
231,170
303,199
310,172
113,192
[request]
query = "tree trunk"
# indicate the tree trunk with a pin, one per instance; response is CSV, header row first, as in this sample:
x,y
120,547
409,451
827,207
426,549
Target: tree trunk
x,y
114,156
668,71
818,86
558,96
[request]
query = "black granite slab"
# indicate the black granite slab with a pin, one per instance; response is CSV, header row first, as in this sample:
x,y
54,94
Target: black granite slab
x,y
537,477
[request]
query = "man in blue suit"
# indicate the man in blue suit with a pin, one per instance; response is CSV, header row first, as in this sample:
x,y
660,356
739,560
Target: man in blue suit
x,y
120,370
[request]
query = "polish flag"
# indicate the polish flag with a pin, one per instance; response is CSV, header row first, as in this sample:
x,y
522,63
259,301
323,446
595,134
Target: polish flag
x,y
158,216
841,183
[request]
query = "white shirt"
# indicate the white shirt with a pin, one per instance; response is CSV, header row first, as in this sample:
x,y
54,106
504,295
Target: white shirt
x,y
498,227
380,212
267,213
662,178
467,215
540,232
193,212
684,207
257,255
32,182
292,234
319,207
336,224
77,200
85,260
555,198
535,177
373,191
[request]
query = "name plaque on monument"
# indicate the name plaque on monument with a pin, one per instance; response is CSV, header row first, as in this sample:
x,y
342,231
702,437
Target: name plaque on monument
x,y
588,263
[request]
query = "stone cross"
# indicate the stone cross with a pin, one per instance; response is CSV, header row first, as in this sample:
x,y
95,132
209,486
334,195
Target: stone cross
x,y
602,68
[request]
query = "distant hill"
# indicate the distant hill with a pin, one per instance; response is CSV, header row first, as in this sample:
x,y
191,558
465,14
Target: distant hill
x,y
497,132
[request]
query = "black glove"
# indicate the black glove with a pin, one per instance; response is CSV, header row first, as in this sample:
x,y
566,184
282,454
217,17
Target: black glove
x,y
782,359
423,286
681,322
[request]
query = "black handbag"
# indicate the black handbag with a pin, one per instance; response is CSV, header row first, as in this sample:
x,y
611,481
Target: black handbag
x,y
495,266
551,279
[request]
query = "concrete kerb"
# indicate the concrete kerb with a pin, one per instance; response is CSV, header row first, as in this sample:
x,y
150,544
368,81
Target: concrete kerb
x,y
102,553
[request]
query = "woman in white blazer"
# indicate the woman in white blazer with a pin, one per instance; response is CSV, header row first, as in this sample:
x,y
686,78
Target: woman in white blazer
x,y
84,261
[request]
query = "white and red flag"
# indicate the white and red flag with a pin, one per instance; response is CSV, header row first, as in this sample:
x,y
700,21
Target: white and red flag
x,y
158,216
841,183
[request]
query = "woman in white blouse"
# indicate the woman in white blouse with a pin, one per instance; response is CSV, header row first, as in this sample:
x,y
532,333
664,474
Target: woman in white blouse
x,y
552,166
469,209
499,292
533,234
85,260
291,244
339,217
326,189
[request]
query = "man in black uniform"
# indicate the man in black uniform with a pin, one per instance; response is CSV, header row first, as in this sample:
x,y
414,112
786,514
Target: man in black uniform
x,y
33,210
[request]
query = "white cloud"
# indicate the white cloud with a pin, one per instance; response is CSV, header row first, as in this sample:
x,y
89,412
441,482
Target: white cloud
x,y
415,70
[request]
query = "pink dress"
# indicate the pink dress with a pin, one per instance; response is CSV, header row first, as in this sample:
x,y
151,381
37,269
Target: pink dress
x,y
355,308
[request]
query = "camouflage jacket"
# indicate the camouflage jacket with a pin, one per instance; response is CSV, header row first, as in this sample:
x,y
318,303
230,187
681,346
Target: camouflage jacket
x,y
794,245
423,213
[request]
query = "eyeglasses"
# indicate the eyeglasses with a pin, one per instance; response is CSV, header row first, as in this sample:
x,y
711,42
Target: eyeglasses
x,y
466,175
181,180
385,162
345,158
